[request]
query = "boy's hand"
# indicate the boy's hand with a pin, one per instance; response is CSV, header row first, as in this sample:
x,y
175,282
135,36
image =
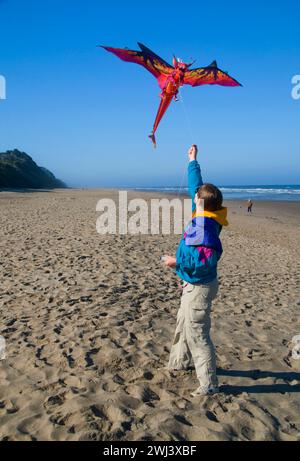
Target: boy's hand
x,y
169,261
193,152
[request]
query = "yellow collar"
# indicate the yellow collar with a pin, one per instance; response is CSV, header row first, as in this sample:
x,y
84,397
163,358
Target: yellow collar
x,y
220,215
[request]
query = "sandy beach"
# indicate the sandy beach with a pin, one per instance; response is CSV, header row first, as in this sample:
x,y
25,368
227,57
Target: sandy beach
x,y
89,320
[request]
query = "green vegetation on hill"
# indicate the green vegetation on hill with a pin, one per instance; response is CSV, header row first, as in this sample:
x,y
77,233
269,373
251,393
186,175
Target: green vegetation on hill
x,y
18,170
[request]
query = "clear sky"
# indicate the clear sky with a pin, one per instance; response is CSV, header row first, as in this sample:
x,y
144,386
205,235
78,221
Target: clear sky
x,y
86,115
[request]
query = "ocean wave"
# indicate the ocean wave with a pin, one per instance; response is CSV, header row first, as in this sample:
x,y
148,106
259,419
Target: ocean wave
x,y
232,190
283,192
259,190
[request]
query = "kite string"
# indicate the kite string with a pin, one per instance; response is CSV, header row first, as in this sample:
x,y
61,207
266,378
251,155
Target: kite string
x,y
191,134
187,118
181,182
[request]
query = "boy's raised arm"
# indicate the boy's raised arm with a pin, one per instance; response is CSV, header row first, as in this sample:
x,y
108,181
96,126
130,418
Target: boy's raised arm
x,y
194,174
194,182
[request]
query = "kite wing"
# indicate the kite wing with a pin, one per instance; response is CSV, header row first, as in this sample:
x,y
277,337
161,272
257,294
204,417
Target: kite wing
x,y
210,75
159,68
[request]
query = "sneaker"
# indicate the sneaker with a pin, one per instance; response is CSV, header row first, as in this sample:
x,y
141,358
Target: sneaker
x,y
205,391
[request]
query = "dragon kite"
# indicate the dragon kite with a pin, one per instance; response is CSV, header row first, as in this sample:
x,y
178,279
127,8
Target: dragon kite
x,y
171,78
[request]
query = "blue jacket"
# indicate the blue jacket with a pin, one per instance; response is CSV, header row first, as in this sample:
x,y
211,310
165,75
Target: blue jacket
x,y
200,247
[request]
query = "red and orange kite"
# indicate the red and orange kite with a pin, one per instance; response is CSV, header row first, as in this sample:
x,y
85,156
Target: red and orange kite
x,y
171,78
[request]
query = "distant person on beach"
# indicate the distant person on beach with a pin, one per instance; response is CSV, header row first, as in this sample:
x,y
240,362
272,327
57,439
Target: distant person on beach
x,y
250,205
196,264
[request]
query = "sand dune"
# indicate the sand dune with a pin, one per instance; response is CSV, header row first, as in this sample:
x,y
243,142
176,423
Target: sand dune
x,y
89,322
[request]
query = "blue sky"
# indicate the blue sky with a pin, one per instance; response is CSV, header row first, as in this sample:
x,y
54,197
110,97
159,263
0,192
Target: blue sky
x,y
86,115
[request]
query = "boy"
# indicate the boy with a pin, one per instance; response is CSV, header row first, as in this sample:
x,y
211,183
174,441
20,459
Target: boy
x,y
196,264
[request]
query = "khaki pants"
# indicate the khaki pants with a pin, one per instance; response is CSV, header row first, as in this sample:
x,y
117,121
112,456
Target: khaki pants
x,y
192,346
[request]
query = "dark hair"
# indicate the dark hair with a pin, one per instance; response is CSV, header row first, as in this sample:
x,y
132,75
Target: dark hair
x,y
212,197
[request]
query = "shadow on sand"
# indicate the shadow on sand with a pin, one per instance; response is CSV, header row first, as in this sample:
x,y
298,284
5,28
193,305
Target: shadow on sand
x,y
261,388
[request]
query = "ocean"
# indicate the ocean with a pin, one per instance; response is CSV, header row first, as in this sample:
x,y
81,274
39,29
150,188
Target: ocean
x,y
289,193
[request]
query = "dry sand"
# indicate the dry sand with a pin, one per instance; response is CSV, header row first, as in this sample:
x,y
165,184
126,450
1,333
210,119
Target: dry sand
x,y
89,320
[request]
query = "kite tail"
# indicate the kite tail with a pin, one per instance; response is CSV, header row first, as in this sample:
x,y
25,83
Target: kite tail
x,y
163,106
152,137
